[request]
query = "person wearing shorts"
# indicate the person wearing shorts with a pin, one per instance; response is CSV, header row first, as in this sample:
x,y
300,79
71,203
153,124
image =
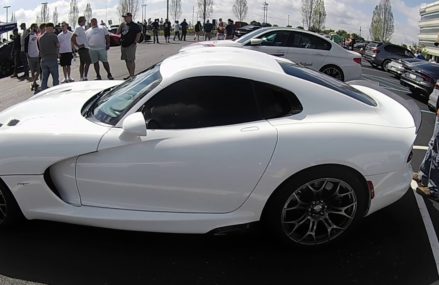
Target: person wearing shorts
x,y
79,40
98,40
65,51
33,55
130,35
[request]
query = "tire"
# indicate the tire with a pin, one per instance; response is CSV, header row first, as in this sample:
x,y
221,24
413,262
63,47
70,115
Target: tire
x,y
317,207
384,65
5,68
10,213
333,71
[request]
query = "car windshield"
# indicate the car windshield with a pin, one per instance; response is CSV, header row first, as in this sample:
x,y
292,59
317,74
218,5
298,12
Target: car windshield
x,y
248,36
113,105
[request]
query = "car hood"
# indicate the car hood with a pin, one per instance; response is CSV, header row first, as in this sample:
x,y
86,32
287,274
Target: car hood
x,y
49,127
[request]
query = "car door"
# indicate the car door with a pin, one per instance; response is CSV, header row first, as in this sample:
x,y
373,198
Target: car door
x,y
205,150
307,49
273,42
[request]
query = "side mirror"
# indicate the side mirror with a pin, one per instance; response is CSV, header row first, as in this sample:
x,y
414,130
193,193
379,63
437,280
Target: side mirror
x,y
134,124
256,42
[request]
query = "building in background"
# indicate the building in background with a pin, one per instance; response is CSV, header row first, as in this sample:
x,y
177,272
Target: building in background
x,y
429,29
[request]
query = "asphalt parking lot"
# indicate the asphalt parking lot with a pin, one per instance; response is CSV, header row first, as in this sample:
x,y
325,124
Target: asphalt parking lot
x,y
390,247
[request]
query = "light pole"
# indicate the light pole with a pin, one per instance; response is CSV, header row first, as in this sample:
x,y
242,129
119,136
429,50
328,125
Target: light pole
x,y
44,12
143,13
6,7
167,9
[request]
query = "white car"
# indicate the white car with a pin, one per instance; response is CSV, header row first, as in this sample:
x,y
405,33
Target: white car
x,y
307,48
208,139
433,102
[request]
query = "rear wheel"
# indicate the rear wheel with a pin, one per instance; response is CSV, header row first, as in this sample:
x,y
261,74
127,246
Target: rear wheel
x,y
317,208
333,71
385,64
10,213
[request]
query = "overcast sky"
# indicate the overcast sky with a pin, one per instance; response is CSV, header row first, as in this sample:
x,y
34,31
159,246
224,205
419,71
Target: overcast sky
x,y
350,15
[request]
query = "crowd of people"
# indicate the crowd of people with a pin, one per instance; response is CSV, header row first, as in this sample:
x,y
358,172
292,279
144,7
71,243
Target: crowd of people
x,y
41,49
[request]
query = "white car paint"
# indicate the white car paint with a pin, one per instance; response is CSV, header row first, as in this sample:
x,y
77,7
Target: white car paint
x,y
196,180
316,59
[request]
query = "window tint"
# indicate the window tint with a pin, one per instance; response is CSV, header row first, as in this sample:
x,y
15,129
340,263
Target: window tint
x,y
326,81
305,40
202,102
275,38
276,102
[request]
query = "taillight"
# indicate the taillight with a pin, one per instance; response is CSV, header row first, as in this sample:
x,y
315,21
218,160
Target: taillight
x,y
427,79
357,60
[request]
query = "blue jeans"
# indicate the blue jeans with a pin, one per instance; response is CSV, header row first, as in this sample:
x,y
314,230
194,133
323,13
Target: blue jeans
x,y
49,67
429,170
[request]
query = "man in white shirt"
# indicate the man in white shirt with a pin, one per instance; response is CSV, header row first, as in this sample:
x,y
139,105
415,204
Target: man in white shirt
x,y
65,51
98,40
79,40
33,55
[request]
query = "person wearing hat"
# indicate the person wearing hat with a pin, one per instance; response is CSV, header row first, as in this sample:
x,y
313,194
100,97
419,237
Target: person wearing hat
x,y
130,35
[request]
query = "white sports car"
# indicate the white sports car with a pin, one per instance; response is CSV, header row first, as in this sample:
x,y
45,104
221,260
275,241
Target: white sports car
x,y
304,47
208,139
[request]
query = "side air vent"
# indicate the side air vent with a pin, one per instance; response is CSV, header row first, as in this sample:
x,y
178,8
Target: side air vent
x,y
13,122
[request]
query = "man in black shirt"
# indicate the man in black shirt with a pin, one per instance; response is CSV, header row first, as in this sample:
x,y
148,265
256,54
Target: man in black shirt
x,y
130,35
184,25
16,50
155,30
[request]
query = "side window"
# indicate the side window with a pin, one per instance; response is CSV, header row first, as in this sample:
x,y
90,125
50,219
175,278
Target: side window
x,y
200,102
275,38
276,102
308,41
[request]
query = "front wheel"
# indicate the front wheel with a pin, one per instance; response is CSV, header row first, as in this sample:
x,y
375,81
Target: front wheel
x,y
10,213
317,208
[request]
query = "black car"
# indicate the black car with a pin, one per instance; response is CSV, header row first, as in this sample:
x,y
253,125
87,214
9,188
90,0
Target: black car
x,y
6,63
245,30
421,79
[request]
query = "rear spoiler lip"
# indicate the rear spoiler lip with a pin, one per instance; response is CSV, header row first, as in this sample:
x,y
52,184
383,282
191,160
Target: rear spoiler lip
x,y
409,104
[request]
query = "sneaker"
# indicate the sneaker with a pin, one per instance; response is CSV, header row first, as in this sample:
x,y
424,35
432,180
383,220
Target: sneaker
x,y
109,76
85,79
71,80
65,81
427,193
98,77
126,78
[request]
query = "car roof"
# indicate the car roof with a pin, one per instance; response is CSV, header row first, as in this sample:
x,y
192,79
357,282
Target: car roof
x,y
219,57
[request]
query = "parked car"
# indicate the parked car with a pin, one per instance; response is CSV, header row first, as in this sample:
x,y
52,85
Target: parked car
x,y
360,47
381,54
421,79
6,62
208,139
433,99
245,30
399,66
304,47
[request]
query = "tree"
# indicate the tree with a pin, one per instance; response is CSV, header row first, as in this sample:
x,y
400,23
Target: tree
x,y
175,7
240,9
308,7
382,26
205,8
318,16
128,6
73,13
88,13
55,16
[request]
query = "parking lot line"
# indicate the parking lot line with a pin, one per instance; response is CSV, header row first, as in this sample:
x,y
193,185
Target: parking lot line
x,y
431,233
420,147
